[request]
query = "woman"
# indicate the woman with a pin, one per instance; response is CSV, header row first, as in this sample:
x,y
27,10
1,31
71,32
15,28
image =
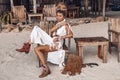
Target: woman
x,y
47,44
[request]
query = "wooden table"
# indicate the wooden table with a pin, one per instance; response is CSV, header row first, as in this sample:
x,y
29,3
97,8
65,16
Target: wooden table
x,y
92,41
35,15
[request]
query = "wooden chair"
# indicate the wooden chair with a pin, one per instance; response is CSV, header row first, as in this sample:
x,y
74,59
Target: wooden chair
x,y
49,12
114,35
66,47
18,14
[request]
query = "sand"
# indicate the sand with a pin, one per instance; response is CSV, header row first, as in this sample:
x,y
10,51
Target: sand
x,y
21,66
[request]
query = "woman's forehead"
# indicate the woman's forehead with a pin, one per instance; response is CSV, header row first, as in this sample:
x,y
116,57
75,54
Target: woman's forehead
x,y
59,13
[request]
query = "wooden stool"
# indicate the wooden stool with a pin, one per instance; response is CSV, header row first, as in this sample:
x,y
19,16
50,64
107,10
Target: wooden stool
x,y
91,41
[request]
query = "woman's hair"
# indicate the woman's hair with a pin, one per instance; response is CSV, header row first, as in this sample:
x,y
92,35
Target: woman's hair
x,y
61,8
61,11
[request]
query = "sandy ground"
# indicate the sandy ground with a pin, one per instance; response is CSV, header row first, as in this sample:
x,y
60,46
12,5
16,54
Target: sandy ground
x,y
21,66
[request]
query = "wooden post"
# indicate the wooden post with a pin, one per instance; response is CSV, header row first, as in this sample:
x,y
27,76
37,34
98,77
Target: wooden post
x,y
92,2
119,49
86,7
34,6
95,7
11,2
104,7
99,6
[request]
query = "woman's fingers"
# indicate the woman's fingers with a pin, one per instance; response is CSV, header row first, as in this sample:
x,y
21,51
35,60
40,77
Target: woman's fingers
x,y
56,39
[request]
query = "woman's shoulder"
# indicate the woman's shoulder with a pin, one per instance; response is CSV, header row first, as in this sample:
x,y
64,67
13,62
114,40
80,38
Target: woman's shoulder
x,y
63,23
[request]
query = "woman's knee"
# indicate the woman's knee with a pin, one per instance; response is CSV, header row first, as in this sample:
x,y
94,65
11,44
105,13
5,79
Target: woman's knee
x,y
36,49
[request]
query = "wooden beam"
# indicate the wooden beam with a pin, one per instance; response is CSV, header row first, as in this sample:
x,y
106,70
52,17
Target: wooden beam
x,y
104,7
34,6
11,3
99,6
86,7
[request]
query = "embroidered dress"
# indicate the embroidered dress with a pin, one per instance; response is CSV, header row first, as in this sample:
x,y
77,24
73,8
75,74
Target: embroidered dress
x,y
41,37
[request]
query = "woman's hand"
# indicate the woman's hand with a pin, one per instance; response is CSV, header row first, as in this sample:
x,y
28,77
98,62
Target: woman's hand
x,y
56,39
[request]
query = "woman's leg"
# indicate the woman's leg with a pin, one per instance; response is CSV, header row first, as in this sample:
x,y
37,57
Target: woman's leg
x,y
39,36
40,51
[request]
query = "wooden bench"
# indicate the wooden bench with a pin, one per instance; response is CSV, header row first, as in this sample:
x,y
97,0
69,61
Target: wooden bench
x,y
92,41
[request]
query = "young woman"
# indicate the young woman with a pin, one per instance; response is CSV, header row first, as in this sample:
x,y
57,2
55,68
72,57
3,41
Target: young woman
x,y
48,44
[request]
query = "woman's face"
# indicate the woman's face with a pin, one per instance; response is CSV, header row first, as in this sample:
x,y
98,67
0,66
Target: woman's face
x,y
59,17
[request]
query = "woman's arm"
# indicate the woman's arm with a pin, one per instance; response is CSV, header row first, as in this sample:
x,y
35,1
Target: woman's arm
x,y
58,25
52,30
68,31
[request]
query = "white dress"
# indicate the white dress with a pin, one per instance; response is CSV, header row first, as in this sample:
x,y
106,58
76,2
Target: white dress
x,y
41,37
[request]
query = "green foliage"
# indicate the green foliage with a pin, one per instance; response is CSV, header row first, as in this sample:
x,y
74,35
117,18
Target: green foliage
x,y
5,18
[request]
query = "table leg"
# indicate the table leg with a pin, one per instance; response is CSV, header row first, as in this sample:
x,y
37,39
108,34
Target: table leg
x,y
81,51
119,48
100,52
48,27
77,49
29,18
105,47
41,17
